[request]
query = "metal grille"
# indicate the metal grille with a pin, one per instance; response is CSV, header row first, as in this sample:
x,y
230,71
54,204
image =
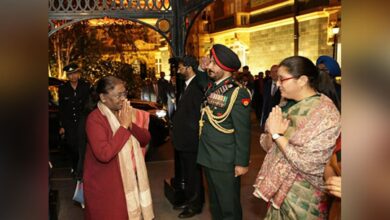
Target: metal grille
x,y
180,14
76,6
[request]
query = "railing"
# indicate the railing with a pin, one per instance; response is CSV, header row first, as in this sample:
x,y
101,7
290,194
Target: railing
x,y
77,6
63,13
169,14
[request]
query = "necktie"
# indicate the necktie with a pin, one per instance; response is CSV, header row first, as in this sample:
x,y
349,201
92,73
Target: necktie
x,y
273,89
184,89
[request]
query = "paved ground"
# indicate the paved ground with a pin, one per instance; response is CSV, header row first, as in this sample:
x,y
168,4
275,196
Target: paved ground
x,y
160,167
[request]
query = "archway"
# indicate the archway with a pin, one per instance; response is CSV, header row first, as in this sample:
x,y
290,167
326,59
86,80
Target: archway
x,y
174,18
89,41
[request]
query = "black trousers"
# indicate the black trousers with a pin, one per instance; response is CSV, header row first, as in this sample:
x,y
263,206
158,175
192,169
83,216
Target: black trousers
x,y
192,173
76,143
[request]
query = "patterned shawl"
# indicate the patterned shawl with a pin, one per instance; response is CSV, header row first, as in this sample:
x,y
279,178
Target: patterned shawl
x,y
134,175
314,128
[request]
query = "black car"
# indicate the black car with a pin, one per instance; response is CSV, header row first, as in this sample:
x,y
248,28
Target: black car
x,y
158,124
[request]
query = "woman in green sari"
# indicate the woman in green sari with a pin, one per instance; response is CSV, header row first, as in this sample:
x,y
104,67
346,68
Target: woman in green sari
x,y
299,139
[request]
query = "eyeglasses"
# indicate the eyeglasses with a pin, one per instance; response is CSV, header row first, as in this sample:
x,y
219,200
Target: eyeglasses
x,y
282,80
120,95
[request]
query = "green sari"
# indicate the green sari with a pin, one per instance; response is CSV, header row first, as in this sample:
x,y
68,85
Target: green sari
x,y
303,201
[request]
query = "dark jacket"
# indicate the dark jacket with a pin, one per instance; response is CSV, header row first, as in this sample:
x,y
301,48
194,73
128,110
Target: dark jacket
x,y
73,103
269,101
163,89
186,118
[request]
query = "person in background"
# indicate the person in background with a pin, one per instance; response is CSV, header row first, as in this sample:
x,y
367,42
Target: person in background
x,y
246,78
147,90
332,176
271,95
224,143
257,100
299,140
171,94
162,85
328,66
155,96
73,98
116,184
267,76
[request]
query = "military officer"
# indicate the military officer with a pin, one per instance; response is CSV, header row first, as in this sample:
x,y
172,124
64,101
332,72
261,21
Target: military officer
x,y
73,98
224,143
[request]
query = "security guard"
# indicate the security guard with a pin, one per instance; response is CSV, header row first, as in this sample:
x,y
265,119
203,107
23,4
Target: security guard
x,y
73,98
224,144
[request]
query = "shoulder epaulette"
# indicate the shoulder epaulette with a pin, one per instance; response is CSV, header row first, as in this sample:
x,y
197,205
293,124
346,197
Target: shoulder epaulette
x,y
236,83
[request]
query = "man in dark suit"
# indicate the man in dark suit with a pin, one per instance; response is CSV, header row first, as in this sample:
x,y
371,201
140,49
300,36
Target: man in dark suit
x,y
257,99
271,94
224,143
162,85
186,137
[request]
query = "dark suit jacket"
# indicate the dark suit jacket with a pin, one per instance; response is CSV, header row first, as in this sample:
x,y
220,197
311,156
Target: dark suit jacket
x,y
269,101
186,118
163,89
73,103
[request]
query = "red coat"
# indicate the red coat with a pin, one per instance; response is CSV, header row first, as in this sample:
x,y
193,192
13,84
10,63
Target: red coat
x,y
103,188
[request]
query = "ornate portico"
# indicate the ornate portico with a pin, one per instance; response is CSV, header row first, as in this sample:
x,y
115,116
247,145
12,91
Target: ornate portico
x,y
174,19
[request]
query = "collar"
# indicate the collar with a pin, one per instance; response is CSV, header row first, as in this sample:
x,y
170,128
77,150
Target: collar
x,y
221,80
189,80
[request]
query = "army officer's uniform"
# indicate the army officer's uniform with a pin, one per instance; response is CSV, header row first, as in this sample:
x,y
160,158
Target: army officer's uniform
x,y
225,140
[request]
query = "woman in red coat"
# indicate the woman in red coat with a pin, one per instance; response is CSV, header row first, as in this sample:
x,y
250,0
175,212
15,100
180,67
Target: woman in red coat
x,y
116,184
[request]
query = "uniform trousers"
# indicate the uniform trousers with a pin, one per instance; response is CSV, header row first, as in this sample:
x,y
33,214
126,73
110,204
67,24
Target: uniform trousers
x,y
224,194
76,143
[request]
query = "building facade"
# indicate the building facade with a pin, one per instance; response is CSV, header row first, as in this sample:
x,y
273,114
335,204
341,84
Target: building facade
x,y
264,32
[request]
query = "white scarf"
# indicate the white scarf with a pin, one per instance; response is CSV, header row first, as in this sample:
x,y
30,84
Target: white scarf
x,y
135,184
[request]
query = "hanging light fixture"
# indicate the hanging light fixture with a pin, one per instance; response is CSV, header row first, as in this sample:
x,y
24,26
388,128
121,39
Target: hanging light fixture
x,y
336,29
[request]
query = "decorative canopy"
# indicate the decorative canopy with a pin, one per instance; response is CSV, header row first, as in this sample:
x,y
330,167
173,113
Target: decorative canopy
x,y
174,17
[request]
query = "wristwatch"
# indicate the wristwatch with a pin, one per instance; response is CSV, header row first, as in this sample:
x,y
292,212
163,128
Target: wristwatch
x,y
276,136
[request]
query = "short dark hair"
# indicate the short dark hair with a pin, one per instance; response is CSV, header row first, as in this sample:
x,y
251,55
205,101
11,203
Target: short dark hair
x,y
189,60
245,68
103,86
107,83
